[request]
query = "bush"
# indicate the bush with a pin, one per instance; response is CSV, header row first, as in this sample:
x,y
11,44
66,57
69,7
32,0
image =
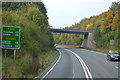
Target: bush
x,y
35,40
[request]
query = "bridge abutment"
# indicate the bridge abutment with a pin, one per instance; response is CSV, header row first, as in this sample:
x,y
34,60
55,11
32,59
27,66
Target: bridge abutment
x,y
89,41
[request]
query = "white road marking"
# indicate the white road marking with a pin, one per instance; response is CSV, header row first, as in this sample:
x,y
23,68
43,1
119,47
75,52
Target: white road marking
x,y
116,67
85,68
53,66
107,61
73,71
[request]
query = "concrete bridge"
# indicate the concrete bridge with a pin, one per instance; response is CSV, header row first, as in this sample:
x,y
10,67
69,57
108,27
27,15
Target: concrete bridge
x,y
85,33
88,36
70,31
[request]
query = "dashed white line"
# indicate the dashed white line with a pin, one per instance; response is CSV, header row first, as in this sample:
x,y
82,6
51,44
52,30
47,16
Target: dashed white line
x,y
107,61
116,67
73,71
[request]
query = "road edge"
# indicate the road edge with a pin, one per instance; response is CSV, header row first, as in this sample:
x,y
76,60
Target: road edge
x,y
48,69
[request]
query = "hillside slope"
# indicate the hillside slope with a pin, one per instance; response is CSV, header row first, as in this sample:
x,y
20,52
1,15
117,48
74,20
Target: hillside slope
x,y
37,46
105,27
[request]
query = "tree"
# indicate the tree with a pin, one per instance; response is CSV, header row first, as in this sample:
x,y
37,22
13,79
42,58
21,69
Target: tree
x,y
89,26
114,7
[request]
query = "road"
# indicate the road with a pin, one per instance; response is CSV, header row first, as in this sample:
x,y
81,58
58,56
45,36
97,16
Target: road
x,y
81,63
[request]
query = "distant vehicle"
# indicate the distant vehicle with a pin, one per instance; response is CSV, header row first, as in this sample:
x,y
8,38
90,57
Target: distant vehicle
x,y
113,55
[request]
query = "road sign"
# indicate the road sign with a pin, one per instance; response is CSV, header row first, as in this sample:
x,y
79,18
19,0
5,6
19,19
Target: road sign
x,y
112,42
10,37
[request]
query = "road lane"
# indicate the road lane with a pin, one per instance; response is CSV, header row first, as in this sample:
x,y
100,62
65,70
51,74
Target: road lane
x,y
69,65
98,64
84,66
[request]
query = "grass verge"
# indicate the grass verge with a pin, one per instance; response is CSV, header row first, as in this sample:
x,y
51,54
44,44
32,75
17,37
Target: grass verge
x,y
27,66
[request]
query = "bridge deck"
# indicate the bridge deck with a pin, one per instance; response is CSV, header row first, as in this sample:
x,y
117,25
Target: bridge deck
x,y
69,31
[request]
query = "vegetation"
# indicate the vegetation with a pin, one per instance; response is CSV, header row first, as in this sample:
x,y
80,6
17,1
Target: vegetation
x,y
105,27
0,58
68,39
37,45
37,51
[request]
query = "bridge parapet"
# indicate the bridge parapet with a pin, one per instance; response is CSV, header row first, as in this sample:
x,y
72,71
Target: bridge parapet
x,y
71,31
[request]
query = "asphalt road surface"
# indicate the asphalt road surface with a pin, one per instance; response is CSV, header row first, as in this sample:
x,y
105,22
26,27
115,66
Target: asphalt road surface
x,y
81,63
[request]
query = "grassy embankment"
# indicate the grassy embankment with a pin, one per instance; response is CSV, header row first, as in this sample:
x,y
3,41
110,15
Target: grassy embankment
x,y
23,68
36,52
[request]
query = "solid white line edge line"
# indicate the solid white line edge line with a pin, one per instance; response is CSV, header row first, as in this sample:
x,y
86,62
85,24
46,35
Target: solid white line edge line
x,y
83,64
53,66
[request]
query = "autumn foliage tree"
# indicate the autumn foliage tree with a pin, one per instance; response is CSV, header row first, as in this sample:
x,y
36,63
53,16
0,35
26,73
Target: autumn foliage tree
x,y
104,26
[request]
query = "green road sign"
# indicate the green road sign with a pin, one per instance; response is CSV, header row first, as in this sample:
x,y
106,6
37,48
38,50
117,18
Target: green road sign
x,y
10,37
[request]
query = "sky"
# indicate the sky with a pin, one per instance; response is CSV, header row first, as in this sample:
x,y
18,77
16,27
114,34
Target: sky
x,y
64,13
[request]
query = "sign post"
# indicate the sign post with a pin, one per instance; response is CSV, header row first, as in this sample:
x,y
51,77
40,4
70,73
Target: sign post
x,y
112,42
5,53
14,54
11,38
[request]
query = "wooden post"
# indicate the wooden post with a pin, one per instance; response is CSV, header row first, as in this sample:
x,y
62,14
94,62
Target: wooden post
x,y
5,52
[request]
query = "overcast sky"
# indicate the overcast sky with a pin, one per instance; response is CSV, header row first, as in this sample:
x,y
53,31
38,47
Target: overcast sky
x,y
63,13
